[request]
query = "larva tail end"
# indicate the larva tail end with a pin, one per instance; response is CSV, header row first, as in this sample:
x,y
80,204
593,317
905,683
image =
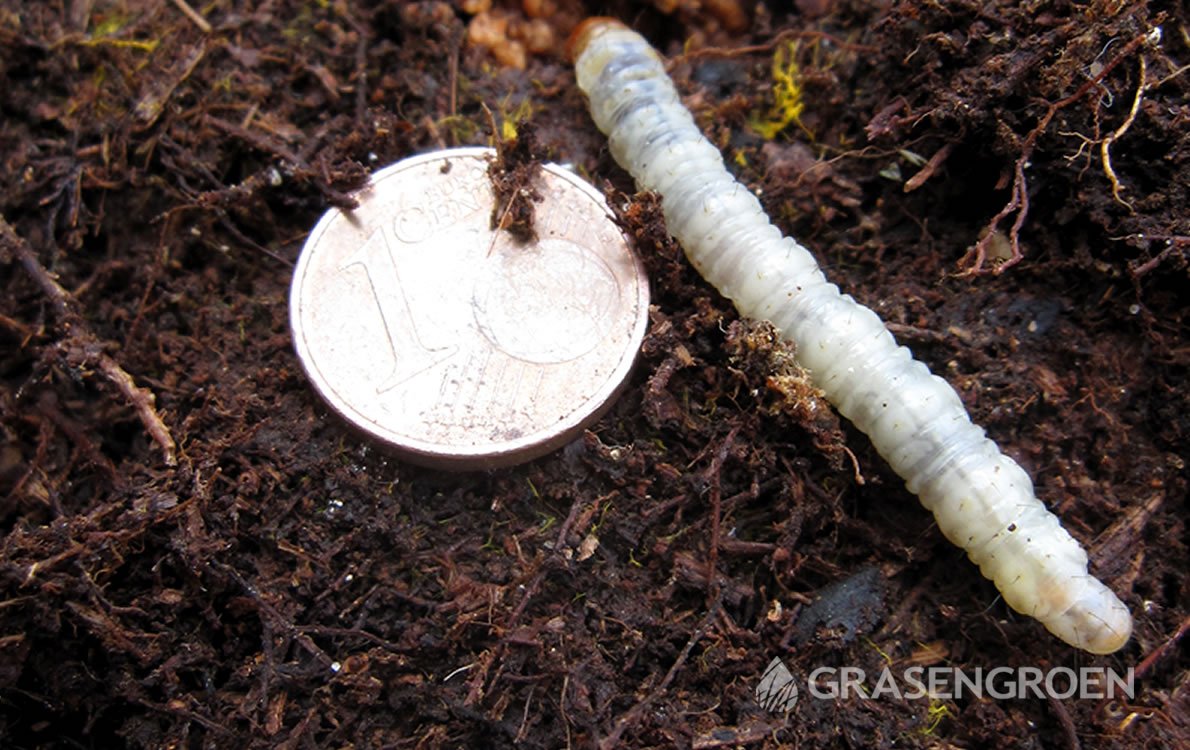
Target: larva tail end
x,y
586,31
1098,623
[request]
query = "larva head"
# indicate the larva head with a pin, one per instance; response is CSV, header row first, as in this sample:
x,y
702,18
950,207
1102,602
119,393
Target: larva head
x,y
586,31
1098,622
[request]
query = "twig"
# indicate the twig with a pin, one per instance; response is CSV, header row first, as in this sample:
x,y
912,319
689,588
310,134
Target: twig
x,y
88,345
931,166
255,140
716,512
24,331
1172,243
361,67
350,633
273,619
1160,652
630,717
732,52
175,708
193,15
520,733
1067,724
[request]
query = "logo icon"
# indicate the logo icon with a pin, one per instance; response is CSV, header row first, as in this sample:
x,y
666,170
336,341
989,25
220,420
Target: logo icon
x,y
777,691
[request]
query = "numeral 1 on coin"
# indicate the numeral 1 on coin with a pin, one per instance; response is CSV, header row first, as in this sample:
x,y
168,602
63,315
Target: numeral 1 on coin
x,y
411,356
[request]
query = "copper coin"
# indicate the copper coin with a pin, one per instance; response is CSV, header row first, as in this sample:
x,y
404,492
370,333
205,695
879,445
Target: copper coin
x,y
458,346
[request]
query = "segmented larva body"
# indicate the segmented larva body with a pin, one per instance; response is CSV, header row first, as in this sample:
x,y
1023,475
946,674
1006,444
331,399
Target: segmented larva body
x,y
983,500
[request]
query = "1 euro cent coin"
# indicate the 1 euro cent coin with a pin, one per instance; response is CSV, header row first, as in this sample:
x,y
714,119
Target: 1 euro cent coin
x,y
456,345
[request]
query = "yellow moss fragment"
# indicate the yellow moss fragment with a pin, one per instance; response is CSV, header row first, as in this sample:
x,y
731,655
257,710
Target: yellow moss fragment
x,y
110,25
522,111
883,654
146,45
935,714
787,95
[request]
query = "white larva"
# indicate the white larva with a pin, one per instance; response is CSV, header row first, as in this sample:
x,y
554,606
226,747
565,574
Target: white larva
x,y
982,500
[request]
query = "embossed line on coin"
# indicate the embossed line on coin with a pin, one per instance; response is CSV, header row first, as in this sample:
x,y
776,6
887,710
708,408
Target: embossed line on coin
x,y
457,347
555,312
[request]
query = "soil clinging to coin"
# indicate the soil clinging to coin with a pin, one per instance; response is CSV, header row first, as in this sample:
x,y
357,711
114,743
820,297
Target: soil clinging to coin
x,y
284,584
514,174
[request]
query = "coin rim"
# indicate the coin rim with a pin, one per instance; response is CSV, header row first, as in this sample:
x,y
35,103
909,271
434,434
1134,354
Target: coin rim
x,y
491,454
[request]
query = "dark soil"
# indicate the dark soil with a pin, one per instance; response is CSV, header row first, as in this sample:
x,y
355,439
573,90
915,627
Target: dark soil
x,y
195,553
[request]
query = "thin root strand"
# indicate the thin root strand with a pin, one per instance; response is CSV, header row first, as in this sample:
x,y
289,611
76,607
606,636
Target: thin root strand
x,y
973,261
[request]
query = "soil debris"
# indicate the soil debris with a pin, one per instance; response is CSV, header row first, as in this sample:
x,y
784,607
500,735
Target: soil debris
x,y
514,174
285,584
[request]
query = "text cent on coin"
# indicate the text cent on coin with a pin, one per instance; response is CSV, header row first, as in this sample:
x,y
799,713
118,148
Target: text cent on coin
x,y
455,344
